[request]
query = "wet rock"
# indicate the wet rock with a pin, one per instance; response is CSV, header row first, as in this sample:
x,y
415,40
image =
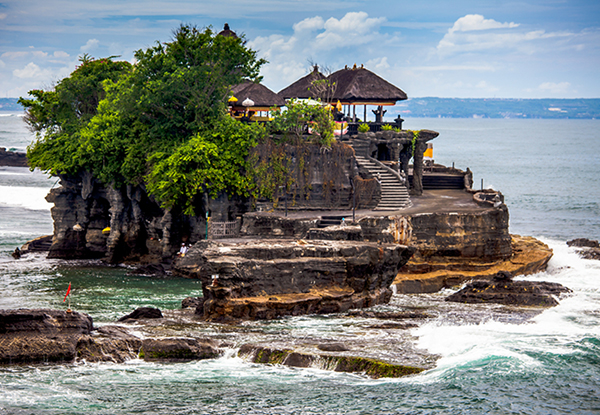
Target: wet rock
x,y
178,349
108,344
33,336
41,244
583,243
332,347
503,290
371,367
142,313
16,253
151,270
590,249
12,158
192,302
389,315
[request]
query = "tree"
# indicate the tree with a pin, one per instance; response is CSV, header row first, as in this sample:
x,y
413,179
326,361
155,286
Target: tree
x,y
58,116
154,123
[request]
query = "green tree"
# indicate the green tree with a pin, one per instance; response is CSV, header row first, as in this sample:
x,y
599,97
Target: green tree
x,y
58,116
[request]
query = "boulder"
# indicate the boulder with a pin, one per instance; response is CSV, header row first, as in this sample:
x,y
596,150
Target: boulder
x,y
502,289
142,313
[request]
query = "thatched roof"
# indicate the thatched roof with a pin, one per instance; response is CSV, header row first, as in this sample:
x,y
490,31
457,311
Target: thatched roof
x,y
262,96
302,88
361,86
227,32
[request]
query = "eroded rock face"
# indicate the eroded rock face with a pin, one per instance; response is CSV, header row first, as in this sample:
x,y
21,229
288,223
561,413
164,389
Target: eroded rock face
x,y
30,336
502,289
256,280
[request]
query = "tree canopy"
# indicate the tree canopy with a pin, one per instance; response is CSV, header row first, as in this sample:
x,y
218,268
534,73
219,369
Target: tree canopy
x,y
161,122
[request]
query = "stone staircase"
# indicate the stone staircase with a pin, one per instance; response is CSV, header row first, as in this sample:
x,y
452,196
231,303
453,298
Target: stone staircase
x,y
394,194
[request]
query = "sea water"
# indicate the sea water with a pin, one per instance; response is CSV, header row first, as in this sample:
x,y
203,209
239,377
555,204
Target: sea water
x,y
492,359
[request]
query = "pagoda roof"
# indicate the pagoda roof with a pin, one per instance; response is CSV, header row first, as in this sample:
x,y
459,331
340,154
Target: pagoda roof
x,y
359,85
302,87
262,96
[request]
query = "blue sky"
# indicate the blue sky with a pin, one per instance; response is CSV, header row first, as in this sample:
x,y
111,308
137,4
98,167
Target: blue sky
x,y
459,48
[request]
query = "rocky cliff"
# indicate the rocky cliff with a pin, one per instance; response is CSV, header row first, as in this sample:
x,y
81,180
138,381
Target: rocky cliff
x,y
264,280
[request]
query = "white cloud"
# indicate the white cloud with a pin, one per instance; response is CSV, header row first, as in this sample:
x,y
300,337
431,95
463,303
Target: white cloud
x,y
325,42
2,64
31,70
90,45
473,33
15,55
472,22
39,54
555,88
355,28
309,24
59,54
3,16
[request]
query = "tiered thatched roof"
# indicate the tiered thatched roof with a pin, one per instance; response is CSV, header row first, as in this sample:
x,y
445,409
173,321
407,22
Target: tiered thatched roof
x,y
264,99
227,32
355,86
359,86
302,88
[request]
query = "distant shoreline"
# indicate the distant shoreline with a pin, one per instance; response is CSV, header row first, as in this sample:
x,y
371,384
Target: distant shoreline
x,y
433,107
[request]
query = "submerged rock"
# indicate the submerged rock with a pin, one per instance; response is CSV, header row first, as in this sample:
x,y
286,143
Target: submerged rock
x,y
339,363
503,290
179,349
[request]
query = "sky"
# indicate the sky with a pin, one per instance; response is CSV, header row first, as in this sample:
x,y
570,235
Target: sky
x,y
435,48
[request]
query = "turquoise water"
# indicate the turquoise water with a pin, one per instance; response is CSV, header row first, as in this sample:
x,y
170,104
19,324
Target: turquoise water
x,y
491,359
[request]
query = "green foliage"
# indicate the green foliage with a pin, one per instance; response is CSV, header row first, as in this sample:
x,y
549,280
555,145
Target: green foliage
x,y
364,128
415,137
162,122
387,127
58,116
301,116
212,161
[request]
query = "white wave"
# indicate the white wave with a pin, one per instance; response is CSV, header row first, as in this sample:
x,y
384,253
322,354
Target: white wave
x,y
553,331
26,197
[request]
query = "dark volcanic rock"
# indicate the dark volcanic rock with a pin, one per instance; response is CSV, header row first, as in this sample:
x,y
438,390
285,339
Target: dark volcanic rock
x,y
153,270
265,280
12,158
141,313
31,336
583,243
178,349
503,290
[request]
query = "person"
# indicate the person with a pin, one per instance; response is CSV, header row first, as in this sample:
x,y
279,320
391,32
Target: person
x,y
182,250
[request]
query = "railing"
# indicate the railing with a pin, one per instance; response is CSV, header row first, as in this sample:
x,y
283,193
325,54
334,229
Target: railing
x,y
219,230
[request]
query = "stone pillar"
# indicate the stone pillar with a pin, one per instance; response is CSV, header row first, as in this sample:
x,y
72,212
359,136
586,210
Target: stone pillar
x,y
420,147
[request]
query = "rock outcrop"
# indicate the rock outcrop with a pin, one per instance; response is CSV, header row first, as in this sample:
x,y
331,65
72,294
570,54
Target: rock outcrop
x,y
12,158
586,248
264,280
502,289
179,349
142,313
427,275
29,336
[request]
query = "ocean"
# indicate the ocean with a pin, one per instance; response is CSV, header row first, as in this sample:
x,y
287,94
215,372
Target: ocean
x,y
492,359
